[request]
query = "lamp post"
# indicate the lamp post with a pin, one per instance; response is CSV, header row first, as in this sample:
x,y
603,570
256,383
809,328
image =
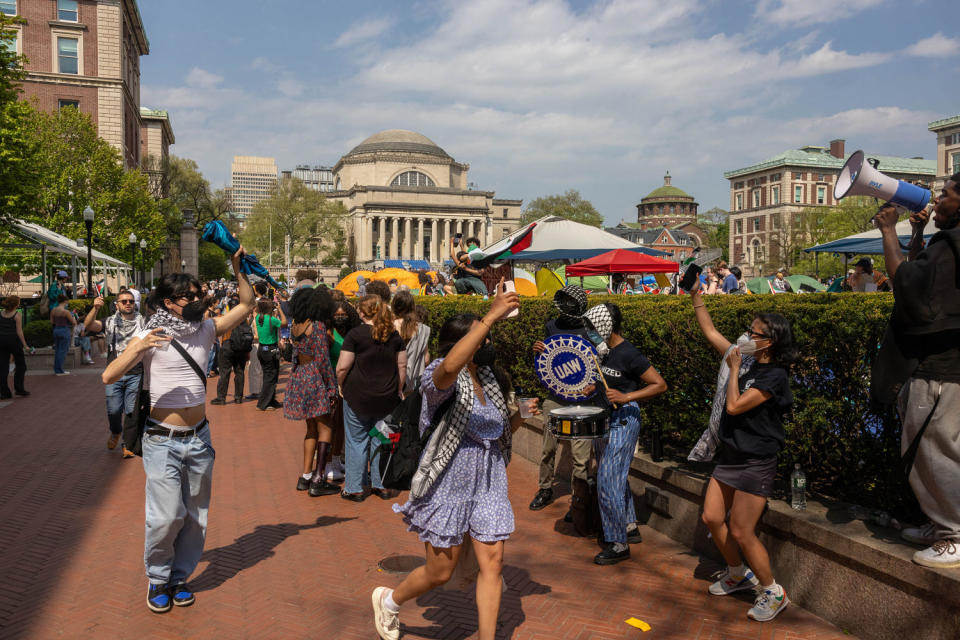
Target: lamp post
x,y
143,262
88,221
183,266
133,258
161,267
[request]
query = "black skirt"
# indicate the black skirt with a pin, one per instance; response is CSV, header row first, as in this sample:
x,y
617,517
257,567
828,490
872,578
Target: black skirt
x,y
743,473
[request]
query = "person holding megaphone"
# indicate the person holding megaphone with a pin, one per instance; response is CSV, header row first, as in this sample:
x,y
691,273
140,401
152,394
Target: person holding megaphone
x,y
919,368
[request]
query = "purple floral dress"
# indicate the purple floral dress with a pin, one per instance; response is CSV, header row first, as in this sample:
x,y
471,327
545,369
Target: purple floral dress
x,y
312,386
470,496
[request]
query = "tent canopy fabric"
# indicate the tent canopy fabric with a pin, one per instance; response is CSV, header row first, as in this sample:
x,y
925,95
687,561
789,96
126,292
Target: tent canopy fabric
x,y
555,238
622,261
548,282
60,243
871,242
349,284
408,265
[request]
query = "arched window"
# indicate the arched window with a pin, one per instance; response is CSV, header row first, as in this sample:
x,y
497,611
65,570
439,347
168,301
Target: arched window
x,y
412,179
759,256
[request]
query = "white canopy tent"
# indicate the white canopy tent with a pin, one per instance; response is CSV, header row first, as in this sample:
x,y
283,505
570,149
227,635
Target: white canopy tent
x,y
555,238
47,240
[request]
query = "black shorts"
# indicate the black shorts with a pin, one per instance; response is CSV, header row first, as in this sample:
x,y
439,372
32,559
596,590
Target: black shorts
x,y
750,475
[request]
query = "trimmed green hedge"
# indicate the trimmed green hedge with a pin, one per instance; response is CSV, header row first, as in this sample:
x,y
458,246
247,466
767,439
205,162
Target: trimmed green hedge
x,y
38,333
848,450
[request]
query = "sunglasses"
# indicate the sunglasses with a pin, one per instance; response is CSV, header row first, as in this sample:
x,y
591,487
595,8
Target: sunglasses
x,y
130,301
189,297
756,334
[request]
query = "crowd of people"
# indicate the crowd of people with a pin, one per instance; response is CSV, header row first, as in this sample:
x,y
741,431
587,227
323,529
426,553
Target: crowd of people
x,y
352,363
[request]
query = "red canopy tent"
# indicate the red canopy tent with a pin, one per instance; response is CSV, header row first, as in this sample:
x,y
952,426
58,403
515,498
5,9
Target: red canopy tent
x,y
621,261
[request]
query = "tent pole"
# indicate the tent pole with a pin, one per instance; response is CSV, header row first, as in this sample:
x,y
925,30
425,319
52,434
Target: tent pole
x,y
816,260
43,269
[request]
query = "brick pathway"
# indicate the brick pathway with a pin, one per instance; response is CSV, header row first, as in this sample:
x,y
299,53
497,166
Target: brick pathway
x,y
279,564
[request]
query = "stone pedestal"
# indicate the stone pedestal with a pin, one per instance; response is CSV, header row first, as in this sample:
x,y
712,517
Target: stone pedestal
x,y
189,246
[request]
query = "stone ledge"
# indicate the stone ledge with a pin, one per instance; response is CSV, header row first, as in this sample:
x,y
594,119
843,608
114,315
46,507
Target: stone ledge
x,y
830,564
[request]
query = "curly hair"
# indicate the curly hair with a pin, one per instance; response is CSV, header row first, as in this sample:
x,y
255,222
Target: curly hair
x,y
379,288
373,307
312,304
353,318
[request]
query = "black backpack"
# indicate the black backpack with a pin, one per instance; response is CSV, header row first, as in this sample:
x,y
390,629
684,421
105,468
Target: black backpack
x,y
241,339
399,460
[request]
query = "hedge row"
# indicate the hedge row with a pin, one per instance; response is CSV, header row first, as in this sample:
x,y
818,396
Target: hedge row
x,y
849,450
38,331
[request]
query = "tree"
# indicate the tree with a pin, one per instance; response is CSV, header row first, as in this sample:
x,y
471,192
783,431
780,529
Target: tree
x,y
19,181
569,205
188,189
295,213
714,216
212,262
11,64
714,222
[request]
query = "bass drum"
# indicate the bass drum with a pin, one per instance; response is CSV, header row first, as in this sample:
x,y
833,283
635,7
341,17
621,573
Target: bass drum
x,y
579,422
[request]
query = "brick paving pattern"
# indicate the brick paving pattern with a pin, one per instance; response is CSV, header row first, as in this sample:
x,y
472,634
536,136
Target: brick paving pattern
x,y
279,564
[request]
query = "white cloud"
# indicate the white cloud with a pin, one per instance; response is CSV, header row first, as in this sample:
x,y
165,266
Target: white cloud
x,y
936,46
828,60
289,85
361,31
798,13
203,79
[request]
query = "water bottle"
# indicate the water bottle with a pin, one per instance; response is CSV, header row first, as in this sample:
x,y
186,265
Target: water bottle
x,y
798,488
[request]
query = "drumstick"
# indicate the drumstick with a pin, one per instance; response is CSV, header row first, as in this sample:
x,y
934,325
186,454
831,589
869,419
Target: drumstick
x,y
602,379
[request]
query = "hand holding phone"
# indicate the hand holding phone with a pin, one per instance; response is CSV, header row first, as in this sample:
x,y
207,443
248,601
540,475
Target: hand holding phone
x,y
511,287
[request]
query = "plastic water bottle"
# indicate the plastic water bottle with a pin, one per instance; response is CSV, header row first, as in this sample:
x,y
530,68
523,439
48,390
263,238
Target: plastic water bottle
x,y
798,487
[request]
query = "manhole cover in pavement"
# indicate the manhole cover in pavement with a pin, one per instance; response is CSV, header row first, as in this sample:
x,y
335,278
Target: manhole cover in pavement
x,y
400,564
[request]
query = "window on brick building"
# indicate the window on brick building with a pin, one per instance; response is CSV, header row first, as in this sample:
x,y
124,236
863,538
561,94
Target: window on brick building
x,y
739,202
68,103
8,7
67,10
775,221
821,195
797,175
956,163
68,56
506,213
738,226
774,195
756,223
756,198
819,177
12,45
798,193
412,179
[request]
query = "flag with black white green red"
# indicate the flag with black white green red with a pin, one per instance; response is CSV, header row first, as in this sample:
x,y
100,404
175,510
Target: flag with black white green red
x,y
518,242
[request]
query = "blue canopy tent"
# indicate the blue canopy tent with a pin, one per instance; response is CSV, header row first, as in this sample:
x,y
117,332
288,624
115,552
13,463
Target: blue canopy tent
x,y
408,265
870,242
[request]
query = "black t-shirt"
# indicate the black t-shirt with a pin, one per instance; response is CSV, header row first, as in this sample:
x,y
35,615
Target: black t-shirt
x,y
624,367
939,355
571,326
758,433
372,387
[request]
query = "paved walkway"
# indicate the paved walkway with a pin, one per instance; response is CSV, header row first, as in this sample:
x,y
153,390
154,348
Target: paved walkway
x,y
279,564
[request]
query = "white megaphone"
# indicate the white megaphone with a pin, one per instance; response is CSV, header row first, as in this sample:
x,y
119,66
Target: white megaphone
x,y
859,178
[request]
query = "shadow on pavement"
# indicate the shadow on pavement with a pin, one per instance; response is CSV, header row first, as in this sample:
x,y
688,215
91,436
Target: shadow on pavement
x,y
454,613
249,549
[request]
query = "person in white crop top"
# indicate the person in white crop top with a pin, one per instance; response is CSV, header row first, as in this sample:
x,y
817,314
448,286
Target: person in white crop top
x,y
177,451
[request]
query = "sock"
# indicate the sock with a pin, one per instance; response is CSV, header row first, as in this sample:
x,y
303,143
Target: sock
x,y
308,475
620,546
738,571
774,588
632,527
389,604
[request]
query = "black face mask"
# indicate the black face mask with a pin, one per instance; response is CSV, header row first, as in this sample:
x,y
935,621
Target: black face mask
x,y
341,323
485,356
193,311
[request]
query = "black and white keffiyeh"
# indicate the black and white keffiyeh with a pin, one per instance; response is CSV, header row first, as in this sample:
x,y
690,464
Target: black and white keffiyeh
x,y
599,319
706,447
570,301
446,437
172,325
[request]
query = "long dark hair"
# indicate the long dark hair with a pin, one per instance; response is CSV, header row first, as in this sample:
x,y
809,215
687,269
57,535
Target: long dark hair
x,y
264,308
453,330
783,351
405,308
173,286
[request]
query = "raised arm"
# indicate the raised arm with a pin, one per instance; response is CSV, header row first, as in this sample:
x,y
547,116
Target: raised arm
x,y
90,323
238,314
714,337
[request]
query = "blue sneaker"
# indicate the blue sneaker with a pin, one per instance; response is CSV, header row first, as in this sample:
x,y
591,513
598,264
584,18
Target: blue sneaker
x,y
182,595
158,598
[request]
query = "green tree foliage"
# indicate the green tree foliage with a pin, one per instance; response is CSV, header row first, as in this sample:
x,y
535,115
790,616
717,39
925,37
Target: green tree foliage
x,y
714,222
188,189
569,205
11,64
817,225
19,181
212,262
303,215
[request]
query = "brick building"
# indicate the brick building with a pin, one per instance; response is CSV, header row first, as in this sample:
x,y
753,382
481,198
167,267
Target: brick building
x,y
86,53
948,148
156,136
766,198
674,241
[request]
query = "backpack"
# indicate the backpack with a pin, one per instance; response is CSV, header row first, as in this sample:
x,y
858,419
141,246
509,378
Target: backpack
x,y
241,339
399,459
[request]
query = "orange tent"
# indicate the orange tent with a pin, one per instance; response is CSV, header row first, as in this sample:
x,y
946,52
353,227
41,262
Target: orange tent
x,y
349,284
400,275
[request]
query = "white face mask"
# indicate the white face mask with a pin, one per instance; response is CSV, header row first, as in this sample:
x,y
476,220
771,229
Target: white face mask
x,y
746,345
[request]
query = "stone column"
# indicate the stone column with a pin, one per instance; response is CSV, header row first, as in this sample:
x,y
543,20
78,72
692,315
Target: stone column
x,y
394,232
367,237
381,236
418,254
434,234
189,249
407,238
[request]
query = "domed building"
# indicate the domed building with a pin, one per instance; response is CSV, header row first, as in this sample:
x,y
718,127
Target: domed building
x,y
406,197
666,206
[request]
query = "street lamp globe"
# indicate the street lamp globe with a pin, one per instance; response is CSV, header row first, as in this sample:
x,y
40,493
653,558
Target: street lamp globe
x,y
143,244
88,215
133,238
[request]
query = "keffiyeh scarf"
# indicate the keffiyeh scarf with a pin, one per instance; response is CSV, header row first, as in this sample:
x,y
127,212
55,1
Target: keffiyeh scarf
x,y
599,319
172,325
570,301
706,447
446,437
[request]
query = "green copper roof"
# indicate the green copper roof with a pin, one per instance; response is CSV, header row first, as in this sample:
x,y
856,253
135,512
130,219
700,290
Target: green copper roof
x,y
667,191
937,124
153,113
819,158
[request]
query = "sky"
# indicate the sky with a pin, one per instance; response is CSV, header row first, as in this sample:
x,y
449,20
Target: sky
x,y
542,96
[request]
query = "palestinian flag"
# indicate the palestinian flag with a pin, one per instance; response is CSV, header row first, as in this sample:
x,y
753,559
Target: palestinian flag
x,y
521,241
381,432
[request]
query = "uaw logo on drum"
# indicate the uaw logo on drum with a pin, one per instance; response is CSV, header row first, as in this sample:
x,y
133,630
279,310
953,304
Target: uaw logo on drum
x,y
566,366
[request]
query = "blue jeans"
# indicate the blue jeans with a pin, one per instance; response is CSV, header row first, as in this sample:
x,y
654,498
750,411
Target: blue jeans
x,y
121,399
179,478
359,448
61,345
614,453
212,358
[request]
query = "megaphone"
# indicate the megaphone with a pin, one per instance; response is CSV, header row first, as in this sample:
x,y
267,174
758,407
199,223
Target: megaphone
x,y
859,178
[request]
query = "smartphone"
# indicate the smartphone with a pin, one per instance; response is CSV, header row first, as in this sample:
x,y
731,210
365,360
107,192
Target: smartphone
x,y
690,277
511,287
457,237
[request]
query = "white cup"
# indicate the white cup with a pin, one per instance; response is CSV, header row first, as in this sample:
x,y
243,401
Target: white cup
x,y
526,407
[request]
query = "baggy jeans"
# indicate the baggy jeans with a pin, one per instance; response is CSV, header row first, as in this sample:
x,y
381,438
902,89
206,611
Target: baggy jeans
x,y
121,399
935,478
614,455
360,449
61,345
179,477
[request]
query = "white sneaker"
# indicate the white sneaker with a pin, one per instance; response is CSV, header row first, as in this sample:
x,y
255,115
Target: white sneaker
x,y
944,554
768,605
387,623
728,584
923,535
332,473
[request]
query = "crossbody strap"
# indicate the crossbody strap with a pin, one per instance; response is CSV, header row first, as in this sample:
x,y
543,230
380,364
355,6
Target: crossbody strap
x,y
193,363
911,453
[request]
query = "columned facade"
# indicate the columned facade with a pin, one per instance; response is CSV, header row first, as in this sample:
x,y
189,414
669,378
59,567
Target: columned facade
x,y
411,237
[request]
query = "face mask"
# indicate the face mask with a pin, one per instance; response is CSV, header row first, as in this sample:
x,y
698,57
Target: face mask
x,y
747,346
341,323
193,311
485,356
